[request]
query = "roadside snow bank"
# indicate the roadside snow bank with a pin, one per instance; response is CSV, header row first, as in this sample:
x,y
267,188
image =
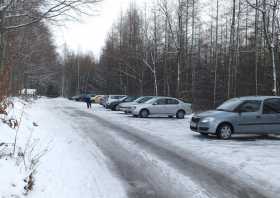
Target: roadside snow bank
x,y
16,165
73,166
60,162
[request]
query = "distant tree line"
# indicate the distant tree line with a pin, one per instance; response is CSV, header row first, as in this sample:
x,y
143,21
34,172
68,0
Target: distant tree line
x,y
33,60
204,53
79,75
28,57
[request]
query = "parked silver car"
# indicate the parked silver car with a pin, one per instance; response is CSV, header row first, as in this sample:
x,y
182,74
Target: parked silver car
x,y
245,115
160,106
113,98
127,106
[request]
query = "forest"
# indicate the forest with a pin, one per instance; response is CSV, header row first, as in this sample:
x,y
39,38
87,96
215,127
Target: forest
x,y
29,57
201,51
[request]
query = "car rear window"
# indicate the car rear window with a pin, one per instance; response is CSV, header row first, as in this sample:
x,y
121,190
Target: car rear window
x,y
130,99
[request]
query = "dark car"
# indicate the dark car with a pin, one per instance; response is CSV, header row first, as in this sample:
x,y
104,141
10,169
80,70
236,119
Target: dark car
x,y
113,105
81,97
76,98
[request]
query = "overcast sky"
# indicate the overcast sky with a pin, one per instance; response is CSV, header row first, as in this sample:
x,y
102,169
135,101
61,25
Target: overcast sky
x,y
90,34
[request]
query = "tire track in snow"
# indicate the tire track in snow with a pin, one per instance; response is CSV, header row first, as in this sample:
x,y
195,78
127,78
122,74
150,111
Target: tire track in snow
x,y
216,183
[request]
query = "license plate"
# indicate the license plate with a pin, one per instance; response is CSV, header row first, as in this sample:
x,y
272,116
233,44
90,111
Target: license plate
x,y
193,124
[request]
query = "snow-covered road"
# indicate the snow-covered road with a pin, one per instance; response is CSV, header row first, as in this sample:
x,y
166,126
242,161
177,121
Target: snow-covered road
x,y
107,154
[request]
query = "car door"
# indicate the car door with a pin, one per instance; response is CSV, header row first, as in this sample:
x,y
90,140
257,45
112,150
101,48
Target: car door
x,y
158,107
271,115
249,117
172,106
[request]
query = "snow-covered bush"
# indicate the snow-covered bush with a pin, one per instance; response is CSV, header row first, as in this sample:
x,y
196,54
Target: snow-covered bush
x,y
19,154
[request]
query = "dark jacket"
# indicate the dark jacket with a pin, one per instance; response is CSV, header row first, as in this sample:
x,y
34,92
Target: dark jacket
x,y
88,100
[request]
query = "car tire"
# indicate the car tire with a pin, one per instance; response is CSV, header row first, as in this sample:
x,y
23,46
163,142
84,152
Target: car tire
x,y
180,114
114,108
144,113
224,131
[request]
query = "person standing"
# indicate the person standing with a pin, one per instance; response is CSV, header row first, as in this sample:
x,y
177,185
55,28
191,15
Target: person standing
x,y
88,101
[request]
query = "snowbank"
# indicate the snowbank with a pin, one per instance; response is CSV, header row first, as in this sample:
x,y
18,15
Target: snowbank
x,y
15,167
63,164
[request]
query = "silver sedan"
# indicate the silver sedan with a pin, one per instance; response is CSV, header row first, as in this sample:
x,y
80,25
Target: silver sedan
x,y
245,115
162,106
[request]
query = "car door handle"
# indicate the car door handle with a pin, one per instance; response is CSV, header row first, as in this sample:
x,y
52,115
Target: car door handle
x,y
258,116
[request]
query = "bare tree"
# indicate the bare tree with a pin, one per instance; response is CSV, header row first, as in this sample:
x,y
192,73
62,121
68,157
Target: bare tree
x,y
269,28
16,14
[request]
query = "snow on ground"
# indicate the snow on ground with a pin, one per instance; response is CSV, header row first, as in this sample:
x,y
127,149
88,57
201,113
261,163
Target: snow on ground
x,y
252,156
69,166
72,167
13,170
70,161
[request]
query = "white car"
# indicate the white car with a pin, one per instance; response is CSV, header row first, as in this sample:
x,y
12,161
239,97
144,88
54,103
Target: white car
x,y
162,106
114,98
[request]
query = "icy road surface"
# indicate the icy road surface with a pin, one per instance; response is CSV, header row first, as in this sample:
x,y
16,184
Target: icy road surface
x,y
120,156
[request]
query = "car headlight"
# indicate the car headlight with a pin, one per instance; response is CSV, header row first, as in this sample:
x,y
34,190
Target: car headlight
x,y
206,120
133,108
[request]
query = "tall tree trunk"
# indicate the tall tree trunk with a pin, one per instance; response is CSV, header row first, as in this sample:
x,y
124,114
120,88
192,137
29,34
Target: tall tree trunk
x,y
216,55
256,47
237,62
179,46
275,90
231,49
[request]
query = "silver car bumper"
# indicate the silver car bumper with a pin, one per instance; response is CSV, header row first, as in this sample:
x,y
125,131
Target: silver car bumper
x,y
125,109
199,127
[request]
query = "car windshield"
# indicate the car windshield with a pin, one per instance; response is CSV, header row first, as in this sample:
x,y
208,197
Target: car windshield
x,y
230,105
152,100
139,99
145,100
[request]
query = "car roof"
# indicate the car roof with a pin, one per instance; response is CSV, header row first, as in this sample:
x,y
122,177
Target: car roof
x,y
164,97
257,97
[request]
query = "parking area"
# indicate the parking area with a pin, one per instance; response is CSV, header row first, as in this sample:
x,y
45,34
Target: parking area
x,y
254,156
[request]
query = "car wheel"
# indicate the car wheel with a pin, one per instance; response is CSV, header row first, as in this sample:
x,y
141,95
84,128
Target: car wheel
x,y
224,131
144,113
114,108
180,114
